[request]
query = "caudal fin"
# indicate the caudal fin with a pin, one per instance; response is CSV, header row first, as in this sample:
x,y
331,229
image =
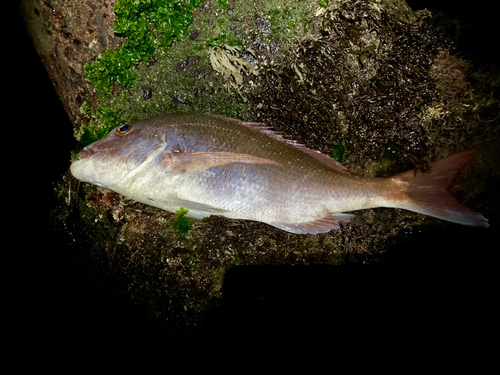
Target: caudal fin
x,y
427,193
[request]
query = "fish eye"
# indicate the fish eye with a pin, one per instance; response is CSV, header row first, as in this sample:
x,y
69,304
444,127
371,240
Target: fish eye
x,y
124,129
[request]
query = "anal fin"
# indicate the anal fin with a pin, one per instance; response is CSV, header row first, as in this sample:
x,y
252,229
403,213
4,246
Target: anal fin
x,y
324,224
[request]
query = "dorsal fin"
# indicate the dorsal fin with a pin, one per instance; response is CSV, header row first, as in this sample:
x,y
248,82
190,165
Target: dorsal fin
x,y
265,129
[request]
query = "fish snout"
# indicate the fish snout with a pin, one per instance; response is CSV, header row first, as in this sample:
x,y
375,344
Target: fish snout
x,y
85,154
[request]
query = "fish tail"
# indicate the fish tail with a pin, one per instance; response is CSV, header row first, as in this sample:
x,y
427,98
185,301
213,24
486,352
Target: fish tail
x,y
427,192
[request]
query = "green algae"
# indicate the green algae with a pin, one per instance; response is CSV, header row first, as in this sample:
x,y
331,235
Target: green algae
x,y
147,25
181,223
338,151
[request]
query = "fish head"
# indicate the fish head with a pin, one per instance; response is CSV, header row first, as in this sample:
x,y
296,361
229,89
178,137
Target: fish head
x,y
107,161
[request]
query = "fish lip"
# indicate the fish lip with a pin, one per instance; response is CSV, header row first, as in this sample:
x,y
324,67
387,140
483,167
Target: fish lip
x,y
73,168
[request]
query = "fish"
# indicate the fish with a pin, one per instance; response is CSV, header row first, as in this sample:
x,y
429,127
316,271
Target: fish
x,y
214,165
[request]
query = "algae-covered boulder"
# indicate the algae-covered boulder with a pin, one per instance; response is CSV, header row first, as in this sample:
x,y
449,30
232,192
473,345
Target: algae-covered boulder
x,y
373,84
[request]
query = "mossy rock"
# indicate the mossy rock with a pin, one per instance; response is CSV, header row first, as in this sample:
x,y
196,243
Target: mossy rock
x,y
372,83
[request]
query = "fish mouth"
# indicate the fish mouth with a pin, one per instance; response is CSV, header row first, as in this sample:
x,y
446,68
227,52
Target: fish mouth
x,y
75,168
78,167
81,170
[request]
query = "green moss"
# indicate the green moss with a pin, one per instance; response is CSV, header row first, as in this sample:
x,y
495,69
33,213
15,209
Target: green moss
x,y
181,223
222,5
147,24
323,3
252,23
338,151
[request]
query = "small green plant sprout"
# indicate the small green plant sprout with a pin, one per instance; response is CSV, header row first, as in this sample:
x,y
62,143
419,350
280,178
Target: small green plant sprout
x,y
181,223
338,151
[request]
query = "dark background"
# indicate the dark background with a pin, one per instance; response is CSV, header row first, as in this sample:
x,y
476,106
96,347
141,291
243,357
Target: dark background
x,y
58,306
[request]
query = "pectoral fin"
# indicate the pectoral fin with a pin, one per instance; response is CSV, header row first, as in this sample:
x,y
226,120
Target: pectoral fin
x,y
183,162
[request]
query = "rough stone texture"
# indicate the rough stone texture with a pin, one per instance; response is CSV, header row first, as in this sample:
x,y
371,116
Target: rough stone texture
x,y
67,35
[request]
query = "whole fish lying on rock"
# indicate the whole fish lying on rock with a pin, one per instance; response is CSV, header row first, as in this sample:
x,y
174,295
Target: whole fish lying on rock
x,y
213,165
